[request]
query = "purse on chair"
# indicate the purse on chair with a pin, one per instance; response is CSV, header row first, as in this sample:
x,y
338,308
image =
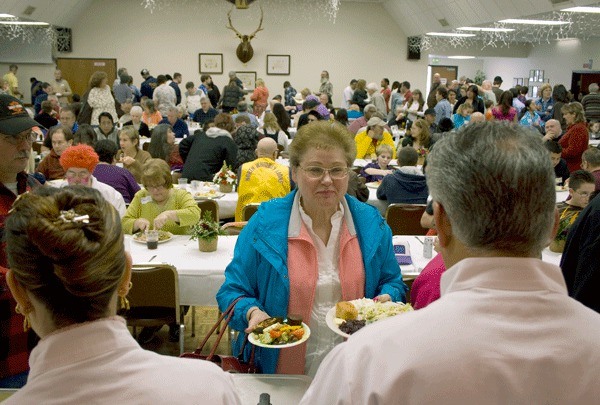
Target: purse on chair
x,y
231,364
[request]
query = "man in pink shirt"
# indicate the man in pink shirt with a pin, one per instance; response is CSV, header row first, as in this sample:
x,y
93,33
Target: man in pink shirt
x,y
504,329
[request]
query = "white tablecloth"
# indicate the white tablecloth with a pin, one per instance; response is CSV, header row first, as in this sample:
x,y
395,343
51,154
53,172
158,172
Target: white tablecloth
x,y
200,273
226,204
594,142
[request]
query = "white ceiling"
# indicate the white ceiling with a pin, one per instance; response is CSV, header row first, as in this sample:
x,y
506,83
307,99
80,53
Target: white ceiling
x,y
414,17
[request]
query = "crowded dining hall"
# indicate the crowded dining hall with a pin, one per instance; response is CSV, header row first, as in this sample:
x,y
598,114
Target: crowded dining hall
x,y
215,210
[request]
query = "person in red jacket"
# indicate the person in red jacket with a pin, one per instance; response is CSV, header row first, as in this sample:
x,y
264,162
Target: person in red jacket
x,y
575,141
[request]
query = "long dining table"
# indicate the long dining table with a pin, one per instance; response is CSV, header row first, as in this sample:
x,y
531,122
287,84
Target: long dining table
x,y
201,274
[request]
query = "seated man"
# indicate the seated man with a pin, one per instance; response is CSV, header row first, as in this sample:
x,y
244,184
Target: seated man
x,y
177,124
205,113
504,328
590,161
371,137
581,186
263,178
108,173
242,108
561,171
50,167
79,163
407,184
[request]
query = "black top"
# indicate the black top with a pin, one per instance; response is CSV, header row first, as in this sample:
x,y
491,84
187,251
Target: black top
x,y
203,156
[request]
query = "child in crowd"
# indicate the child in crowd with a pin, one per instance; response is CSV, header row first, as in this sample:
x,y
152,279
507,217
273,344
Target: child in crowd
x,y
531,118
561,172
375,171
489,104
462,116
594,129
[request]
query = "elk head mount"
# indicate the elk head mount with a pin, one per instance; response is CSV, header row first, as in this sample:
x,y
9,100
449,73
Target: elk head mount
x,y
244,50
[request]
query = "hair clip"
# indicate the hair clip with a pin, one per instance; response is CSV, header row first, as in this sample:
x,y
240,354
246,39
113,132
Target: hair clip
x,y
72,216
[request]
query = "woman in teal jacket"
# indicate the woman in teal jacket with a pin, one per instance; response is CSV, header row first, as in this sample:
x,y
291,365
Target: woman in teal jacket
x,y
259,270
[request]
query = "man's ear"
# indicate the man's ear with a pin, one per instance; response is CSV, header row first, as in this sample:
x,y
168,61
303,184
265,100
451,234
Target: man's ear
x,y
442,224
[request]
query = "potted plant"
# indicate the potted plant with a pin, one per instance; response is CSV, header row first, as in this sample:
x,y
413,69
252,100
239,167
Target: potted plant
x,y
422,155
225,178
207,232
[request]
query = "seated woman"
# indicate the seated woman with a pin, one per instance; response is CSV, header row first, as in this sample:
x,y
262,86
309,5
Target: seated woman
x,y
162,146
419,138
136,121
68,270
108,173
132,157
159,205
303,253
372,137
151,116
272,130
375,171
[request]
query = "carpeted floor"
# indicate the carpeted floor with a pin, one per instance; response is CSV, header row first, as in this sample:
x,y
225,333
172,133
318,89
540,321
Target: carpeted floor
x,y
205,319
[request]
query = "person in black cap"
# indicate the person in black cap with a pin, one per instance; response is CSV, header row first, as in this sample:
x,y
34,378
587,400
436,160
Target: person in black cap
x,y
16,138
429,116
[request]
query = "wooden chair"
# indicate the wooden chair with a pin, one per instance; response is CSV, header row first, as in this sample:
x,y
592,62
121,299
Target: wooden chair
x,y
154,298
249,210
405,219
209,205
234,228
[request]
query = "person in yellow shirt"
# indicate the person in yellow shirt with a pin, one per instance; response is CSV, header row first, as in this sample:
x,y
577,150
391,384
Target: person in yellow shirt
x,y
13,82
262,179
368,139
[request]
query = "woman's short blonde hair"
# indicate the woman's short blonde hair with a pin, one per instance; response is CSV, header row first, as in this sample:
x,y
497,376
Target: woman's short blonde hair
x,y
383,148
96,79
156,172
260,82
574,108
464,106
322,135
544,87
270,122
132,134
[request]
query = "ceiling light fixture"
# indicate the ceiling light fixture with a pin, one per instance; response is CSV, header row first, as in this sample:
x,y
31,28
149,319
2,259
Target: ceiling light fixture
x,y
3,15
449,34
486,29
461,57
581,9
533,22
24,23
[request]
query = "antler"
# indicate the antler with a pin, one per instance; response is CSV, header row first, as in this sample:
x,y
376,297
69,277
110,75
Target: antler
x,y
259,24
230,26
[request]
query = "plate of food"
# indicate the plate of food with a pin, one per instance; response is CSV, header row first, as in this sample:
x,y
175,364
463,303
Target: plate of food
x,y
277,333
163,236
348,317
208,195
374,184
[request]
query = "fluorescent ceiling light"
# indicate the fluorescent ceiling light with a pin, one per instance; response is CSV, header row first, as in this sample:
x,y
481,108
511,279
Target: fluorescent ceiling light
x,y
485,29
2,15
461,57
23,23
582,9
449,34
533,22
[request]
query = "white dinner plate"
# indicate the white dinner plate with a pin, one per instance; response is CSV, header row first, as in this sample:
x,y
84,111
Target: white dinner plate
x,y
206,196
136,237
258,343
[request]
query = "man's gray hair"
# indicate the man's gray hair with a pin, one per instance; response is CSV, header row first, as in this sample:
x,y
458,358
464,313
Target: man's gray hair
x,y
593,88
369,107
496,184
173,109
242,106
232,74
204,98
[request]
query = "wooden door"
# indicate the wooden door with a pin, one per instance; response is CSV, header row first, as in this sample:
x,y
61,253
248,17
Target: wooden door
x,y
78,71
447,73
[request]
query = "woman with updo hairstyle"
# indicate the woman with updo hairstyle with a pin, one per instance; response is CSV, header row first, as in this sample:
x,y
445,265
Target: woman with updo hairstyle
x,y
69,270
131,155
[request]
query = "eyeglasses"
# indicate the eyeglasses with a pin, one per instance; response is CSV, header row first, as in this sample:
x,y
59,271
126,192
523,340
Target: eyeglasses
x,y
17,139
159,187
80,175
316,172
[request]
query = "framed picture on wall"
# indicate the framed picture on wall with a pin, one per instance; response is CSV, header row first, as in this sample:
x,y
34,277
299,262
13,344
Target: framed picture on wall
x,y
278,65
211,63
248,79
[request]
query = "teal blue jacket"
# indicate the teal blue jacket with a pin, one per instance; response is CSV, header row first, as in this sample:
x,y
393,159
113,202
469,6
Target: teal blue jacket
x,y
259,270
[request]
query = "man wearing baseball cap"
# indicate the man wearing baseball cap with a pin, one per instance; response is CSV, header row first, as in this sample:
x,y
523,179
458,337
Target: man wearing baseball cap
x,y
16,138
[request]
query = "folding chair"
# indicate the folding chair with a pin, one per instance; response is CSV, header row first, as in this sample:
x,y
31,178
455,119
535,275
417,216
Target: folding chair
x,y
249,210
154,298
405,219
209,205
